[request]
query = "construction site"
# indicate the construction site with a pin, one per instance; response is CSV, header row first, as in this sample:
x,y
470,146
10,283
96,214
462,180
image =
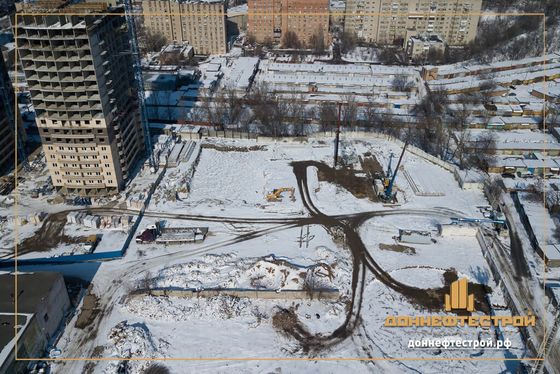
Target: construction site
x,y
271,241
218,247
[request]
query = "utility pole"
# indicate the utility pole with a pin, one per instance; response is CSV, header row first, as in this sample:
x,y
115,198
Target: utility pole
x,y
337,139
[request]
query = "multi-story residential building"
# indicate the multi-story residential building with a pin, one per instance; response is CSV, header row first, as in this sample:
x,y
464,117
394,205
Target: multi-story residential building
x,y
7,119
393,21
201,23
271,19
80,75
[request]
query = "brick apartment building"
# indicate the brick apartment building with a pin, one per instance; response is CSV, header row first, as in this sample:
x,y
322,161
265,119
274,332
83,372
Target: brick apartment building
x,y
394,21
201,23
270,19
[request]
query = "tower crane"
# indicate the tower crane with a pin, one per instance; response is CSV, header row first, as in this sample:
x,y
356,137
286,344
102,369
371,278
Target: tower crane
x,y
139,78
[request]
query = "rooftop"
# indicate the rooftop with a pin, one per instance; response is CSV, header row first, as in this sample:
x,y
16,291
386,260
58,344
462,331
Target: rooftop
x,y
31,287
7,331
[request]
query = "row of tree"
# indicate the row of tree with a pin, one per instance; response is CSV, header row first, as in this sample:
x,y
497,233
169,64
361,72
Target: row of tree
x,y
290,40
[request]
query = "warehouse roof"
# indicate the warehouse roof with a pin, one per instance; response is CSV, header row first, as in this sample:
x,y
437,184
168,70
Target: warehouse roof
x,y
31,287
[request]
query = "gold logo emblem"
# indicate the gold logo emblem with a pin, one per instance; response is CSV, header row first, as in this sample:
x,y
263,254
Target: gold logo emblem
x,y
459,297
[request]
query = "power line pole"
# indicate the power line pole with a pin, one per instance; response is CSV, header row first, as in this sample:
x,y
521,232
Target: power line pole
x,y
337,139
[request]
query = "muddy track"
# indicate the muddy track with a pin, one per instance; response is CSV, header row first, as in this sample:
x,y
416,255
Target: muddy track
x,y
192,217
362,261
348,224
49,235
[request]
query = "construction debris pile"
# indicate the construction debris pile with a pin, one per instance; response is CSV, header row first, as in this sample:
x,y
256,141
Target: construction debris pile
x,y
35,219
179,182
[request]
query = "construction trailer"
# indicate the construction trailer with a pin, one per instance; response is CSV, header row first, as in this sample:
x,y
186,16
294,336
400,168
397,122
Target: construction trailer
x,y
171,235
180,235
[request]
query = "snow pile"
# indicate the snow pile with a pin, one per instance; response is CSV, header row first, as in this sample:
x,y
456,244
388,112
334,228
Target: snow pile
x,y
227,271
133,340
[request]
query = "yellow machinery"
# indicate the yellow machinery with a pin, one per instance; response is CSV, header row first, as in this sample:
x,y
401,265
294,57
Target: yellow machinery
x,y
276,194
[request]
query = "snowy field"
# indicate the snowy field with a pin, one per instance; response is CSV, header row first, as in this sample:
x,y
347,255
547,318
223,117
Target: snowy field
x,y
254,243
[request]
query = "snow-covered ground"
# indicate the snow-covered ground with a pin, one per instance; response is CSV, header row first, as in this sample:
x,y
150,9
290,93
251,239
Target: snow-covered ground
x,y
272,250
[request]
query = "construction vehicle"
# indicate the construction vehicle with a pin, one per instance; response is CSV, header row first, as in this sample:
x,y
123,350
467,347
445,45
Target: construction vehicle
x,y
276,194
389,181
389,171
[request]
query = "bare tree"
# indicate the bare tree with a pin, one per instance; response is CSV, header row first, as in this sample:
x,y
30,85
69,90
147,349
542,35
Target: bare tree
x,y
349,111
233,106
317,42
268,42
401,83
328,115
213,109
268,110
487,90
371,116
484,151
348,41
430,133
297,113
250,39
391,55
291,40
150,41
156,369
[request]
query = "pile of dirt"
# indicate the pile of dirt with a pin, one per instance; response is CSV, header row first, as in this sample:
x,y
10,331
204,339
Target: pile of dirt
x,y
90,310
370,164
49,236
345,177
398,248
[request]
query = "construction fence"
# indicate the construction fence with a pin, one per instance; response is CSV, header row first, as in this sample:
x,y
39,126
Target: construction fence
x,y
317,294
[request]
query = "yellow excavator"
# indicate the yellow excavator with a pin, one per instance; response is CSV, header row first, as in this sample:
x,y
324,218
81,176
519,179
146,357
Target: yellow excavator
x,y
276,194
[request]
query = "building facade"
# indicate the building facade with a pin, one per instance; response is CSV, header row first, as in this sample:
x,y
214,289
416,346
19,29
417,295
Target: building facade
x,y
269,20
201,23
388,21
80,75
7,133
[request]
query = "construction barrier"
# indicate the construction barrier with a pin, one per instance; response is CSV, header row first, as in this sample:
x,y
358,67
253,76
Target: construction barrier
x,y
318,294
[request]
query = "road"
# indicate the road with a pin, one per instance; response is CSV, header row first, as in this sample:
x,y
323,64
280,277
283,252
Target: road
x,y
521,286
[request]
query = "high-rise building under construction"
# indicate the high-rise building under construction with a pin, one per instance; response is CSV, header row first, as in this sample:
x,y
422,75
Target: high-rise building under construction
x,y
79,69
